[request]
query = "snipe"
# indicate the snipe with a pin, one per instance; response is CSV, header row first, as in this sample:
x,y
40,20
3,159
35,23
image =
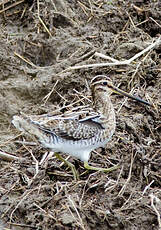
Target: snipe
x,y
74,136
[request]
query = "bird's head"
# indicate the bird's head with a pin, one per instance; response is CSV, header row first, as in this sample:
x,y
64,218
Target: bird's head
x,y
102,83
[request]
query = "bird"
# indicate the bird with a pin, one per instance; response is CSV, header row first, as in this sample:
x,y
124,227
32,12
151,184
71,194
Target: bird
x,y
77,135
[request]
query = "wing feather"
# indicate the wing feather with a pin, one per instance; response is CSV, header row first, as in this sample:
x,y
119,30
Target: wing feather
x,y
79,125
70,129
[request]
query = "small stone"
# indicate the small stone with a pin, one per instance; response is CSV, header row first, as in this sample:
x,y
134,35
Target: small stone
x,y
67,218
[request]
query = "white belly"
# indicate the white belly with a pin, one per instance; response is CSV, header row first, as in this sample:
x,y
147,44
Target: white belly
x,y
78,149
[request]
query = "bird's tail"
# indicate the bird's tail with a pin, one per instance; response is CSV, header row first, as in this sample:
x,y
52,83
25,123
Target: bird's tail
x,y
25,124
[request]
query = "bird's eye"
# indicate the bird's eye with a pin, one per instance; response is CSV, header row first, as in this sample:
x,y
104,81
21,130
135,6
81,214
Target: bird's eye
x,y
105,83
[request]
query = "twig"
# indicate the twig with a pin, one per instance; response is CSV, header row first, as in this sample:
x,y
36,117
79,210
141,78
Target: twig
x,y
105,57
45,212
4,2
115,63
142,22
8,141
25,60
129,177
26,143
26,193
152,198
21,226
131,21
23,12
155,22
147,187
49,94
36,165
8,157
124,101
97,65
112,183
13,5
150,47
80,222
38,12
44,158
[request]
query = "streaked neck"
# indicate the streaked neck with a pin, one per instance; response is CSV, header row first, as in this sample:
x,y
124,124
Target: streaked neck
x,y
103,105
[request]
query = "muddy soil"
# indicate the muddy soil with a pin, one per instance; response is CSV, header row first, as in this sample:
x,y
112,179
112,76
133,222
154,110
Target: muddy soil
x,y
39,43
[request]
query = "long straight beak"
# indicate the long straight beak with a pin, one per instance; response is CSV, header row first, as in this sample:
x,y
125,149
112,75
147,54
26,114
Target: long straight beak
x,y
123,93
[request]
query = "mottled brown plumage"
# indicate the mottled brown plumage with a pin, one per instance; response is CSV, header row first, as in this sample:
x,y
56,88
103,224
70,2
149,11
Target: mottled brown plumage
x,y
70,134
